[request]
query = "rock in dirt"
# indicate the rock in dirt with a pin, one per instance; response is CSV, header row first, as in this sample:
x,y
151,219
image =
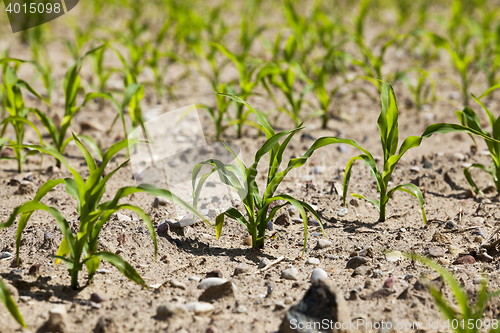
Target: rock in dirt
x,y
342,212
200,308
389,283
99,298
168,310
210,282
323,243
454,250
312,261
405,294
436,252
465,260
283,220
317,275
177,284
57,315
367,252
106,325
441,238
25,187
355,262
381,293
5,255
215,292
290,274
242,269
321,302
159,201
263,263
362,270
215,273
211,329
247,241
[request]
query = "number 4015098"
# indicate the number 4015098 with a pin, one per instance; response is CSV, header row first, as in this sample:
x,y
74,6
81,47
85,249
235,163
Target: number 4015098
x,y
34,8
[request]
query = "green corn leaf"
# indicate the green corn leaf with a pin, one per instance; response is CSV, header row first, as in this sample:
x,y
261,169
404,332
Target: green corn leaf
x,y
49,125
414,191
231,213
488,113
388,121
88,158
261,119
347,174
62,252
444,128
10,304
375,202
469,177
93,144
124,267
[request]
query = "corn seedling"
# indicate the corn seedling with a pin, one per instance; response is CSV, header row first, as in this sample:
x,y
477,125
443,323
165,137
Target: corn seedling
x,y
82,248
372,62
389,135
13,102
257,206
469,317
458,46
469,118
284,78
247,81
421,86
71,86
10,304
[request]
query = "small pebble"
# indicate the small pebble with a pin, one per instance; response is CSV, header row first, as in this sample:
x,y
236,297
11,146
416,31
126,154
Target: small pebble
x,y
103,271
479,280
323,243
200,308
5,255
312,261
317,275
342,212
290,274
436,252
377,273
263,263
99,298
241,269
210,282
390,282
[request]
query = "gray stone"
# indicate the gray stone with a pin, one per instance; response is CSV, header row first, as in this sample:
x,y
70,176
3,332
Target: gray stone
x,y
323,243
290,274
317,275
263,263
99,297
169,310
436,252
312,261
321,302
57,315
362,270
357,261
5,255
242,269
103,271
377,273
177,284
200,308
366,252
210,282
159,201
278,306
342,212
214,292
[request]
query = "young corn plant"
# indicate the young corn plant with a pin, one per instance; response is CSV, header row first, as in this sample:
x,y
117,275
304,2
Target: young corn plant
x,y
421,86
470,317
257,205
10,304
82,248
71,86
284,78
458,46
469,118
389,135
247,80
13,102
